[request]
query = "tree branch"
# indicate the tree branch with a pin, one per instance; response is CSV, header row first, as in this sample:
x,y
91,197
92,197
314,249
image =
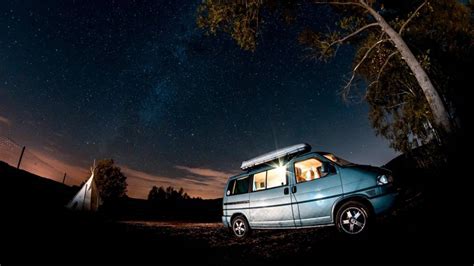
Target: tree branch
x,y
385,64
382,68
338,3
411,17
361,4
343,39
408,86
395,105
345,91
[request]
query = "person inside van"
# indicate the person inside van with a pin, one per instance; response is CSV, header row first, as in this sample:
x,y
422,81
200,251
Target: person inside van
x,y
313,173
310,175
299,175
317,172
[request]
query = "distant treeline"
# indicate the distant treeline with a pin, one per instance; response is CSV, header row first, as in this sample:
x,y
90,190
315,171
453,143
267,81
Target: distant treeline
x,y
192,209
161,194
166,204
177,204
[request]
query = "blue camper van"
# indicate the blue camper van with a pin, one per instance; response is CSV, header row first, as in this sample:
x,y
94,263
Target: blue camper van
x,y
296,188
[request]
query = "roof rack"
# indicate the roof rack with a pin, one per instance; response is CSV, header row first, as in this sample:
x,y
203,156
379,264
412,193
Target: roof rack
x,y
271,156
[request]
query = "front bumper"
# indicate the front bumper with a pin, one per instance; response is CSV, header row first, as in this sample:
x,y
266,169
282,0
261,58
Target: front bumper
x,y
384,202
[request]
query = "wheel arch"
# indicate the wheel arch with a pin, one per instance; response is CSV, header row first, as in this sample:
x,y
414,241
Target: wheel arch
x,y
237,214
358,198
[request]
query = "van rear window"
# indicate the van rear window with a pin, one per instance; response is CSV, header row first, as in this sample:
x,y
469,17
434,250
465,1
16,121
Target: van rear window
x,y
238,186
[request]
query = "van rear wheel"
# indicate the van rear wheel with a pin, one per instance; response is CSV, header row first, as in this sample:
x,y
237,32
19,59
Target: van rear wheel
x,y
353,218
240,226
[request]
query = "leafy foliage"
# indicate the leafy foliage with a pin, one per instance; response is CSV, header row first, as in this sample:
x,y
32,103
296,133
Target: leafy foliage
x,y
110,180
240,19
442,35
439,33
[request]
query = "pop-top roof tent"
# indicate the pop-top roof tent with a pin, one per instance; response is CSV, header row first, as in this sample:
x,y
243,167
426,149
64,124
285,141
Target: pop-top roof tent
x,y
274,155
88,198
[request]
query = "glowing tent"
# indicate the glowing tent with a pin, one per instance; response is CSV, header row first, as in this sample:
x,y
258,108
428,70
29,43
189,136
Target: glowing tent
x,y
87,199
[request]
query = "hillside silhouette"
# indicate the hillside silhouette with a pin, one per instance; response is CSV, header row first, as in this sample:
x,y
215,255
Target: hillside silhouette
x,y
22,190
25,192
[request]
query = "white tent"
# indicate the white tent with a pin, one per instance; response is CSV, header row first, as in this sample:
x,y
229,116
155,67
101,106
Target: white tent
x,y
87,199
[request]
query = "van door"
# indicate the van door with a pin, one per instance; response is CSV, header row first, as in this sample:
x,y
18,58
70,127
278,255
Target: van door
x,y
315,190
270,200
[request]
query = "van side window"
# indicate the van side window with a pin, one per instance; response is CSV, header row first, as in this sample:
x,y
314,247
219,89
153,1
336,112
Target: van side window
x,y
238,186
308,170
276,177
259,181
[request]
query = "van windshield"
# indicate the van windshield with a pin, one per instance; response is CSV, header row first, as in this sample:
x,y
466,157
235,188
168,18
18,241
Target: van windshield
x,y
336,159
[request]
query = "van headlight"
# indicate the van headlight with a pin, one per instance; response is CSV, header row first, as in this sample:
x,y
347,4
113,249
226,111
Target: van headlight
x,y
384,179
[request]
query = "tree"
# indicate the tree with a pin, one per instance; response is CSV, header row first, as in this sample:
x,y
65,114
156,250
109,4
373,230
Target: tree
x,y
157,194
442,34
161,195
153,194
110,180
362,23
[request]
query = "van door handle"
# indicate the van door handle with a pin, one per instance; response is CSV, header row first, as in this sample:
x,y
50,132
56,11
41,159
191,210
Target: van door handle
x,y
293,189
286,191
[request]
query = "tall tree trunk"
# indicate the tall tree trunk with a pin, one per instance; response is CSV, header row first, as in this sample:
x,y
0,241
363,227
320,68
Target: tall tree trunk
x,y
440,114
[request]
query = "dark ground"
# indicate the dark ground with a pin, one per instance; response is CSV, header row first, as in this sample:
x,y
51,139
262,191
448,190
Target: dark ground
x,y
407,236
430,225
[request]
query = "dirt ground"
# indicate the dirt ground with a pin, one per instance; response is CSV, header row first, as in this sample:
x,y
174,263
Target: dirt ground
x,y
409,234
221,245
406,234
321,244
262,243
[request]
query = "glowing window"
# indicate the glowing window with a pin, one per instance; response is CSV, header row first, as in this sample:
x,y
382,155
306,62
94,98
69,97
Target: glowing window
x,y
276,177
259,181
308,170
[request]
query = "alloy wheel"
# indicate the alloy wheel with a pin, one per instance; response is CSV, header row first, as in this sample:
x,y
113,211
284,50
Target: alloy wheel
x,y
353,220
239,228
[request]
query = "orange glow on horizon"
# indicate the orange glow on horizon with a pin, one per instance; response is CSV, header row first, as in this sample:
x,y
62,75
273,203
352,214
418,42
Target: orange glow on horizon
x,y
210,184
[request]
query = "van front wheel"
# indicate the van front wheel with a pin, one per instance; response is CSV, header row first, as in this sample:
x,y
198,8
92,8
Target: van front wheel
x,y
353,218
240,227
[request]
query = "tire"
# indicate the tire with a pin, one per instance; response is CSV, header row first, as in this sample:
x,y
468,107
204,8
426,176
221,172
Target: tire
x,y
354,219
240,227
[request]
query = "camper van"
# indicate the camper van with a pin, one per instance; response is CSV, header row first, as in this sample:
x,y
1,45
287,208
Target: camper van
x,y
294,187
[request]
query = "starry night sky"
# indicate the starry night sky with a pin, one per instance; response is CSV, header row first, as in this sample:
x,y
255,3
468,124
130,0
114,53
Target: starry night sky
x,y
139,82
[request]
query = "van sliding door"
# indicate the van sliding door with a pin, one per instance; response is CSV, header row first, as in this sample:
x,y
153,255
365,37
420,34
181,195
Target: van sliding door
x,y
270,200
